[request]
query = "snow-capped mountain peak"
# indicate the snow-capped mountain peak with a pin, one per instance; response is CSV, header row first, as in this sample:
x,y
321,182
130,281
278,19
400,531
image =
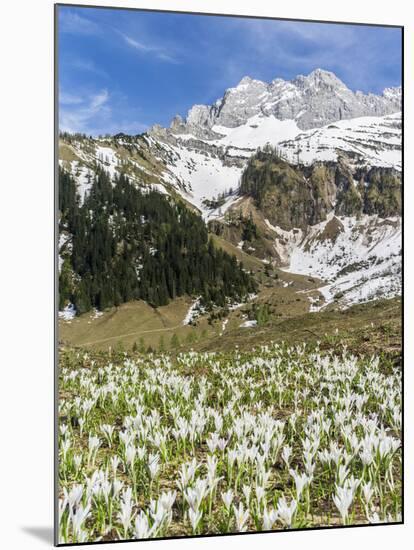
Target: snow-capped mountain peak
x,y
313,101
247,81
319,78
394,93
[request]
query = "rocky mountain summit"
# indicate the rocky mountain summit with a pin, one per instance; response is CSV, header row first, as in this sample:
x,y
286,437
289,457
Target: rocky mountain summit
x,y
312,101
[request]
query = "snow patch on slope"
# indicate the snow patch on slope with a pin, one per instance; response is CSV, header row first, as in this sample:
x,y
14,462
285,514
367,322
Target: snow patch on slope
x,y
362,262
82,175
108,158
68,313
198,176
285,241
257,131
249,324
194,311
375,140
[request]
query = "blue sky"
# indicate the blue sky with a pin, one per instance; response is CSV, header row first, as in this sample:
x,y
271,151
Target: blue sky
x,y
122,71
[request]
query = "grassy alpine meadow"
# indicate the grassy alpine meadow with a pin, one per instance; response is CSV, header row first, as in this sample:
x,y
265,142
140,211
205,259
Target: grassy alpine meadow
x,y
279,437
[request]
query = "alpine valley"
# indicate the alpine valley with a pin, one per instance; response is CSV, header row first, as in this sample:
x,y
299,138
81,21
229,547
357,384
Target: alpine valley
x,y
275,212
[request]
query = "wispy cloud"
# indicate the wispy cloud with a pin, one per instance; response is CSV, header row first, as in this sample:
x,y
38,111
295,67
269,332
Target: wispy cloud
x,y
71,22
69,99
88,66
78,114
95,114
99,100
147,48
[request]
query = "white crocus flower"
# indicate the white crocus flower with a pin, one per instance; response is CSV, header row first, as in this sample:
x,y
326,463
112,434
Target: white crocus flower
x,y
195,495
347,421
125,514
195,518
63,429
142,529
343,473
286,454
343,500
77,459
130,453
94,443
153,464
78,519
211,465
227,498
66,443
117,487
301,480
368,492
269,518
187,474
108,431
115,460
286,511
352,483
159,514
74,496
167,499
366,457
241,517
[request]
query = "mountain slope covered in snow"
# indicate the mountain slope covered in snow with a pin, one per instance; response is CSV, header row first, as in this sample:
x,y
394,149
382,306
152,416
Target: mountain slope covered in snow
x,y
358,258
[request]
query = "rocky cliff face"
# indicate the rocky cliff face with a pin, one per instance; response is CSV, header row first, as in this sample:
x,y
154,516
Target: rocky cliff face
x,y
312,101
300,196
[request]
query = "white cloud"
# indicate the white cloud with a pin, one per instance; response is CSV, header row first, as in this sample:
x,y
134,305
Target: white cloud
x,y
157,51
88,66
98,100
79,114
69,99
136,44
71,22
93,114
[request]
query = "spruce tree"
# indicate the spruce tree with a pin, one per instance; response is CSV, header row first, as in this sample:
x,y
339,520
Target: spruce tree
x,y
141,345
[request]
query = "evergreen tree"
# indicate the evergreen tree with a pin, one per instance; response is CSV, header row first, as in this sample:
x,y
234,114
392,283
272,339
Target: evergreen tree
x,y
141,345
250,229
